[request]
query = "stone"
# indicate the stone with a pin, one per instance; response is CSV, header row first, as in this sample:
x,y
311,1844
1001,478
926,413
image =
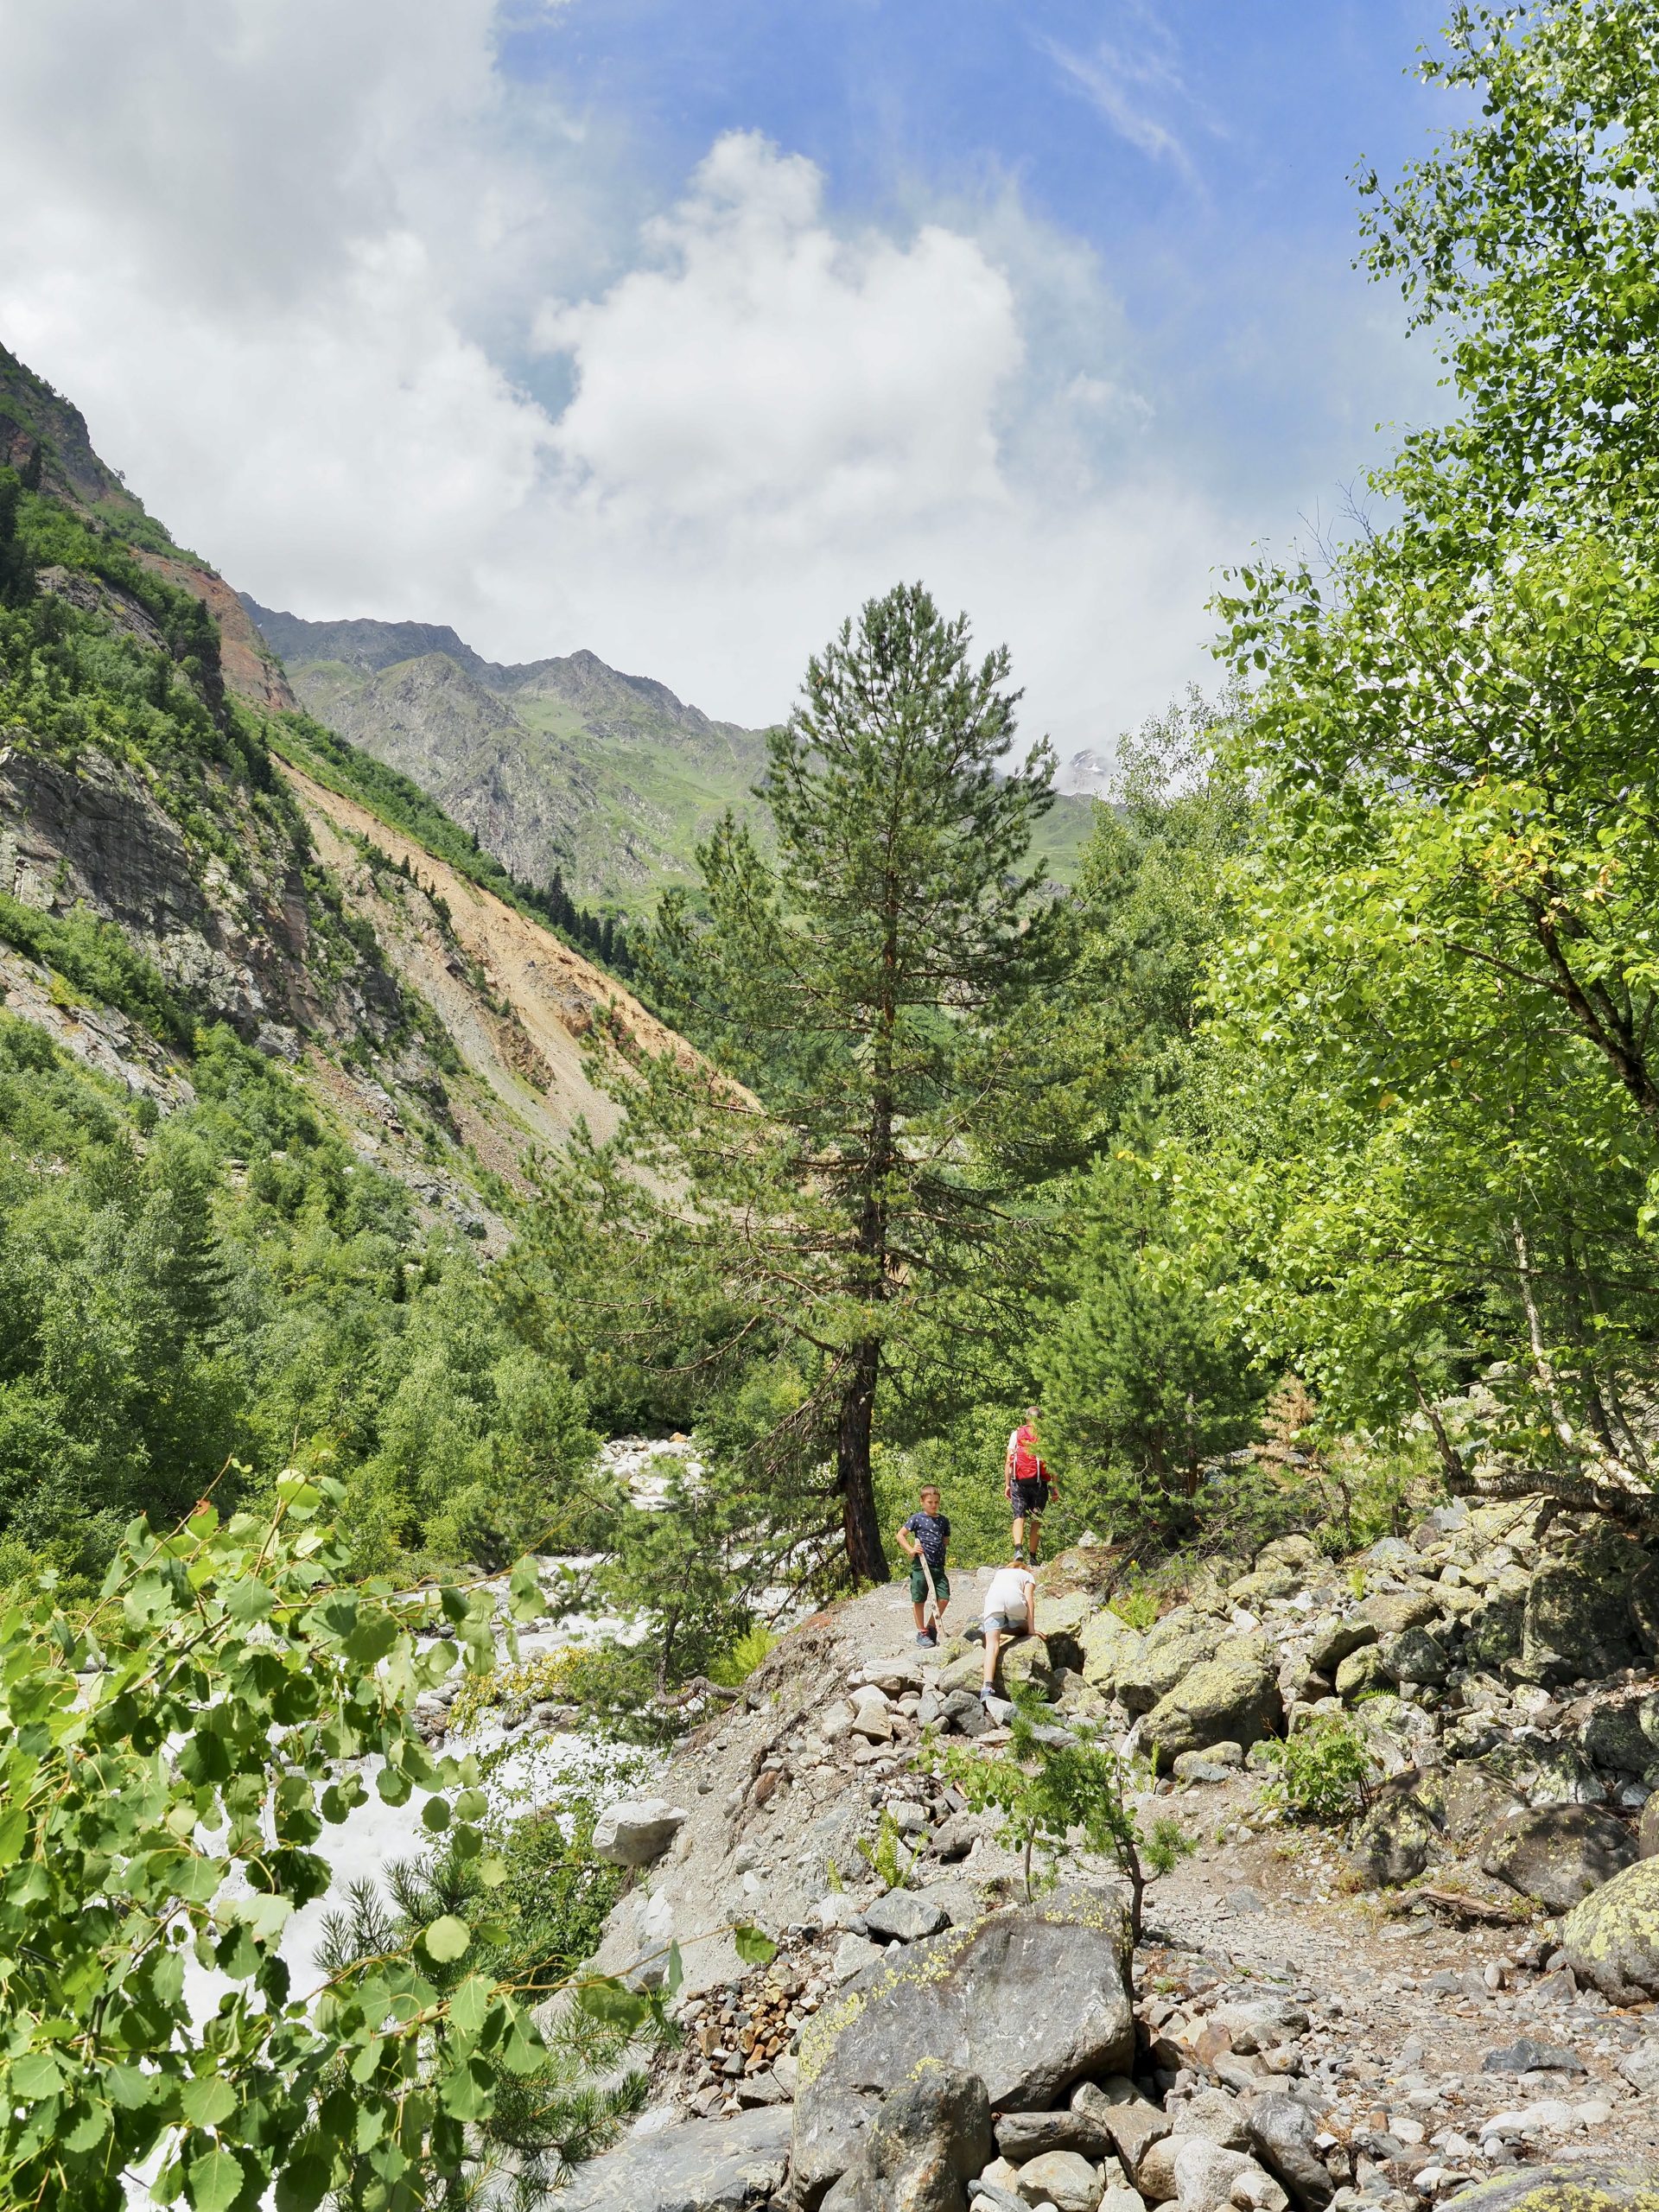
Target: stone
x,y
1392,1612
1613,1737
637,1832
930,2138
1474,1798
1030,1999
852,1956
1558,1854
1107,1649
1414,1656
904,1916
1181,1641
1061,2178
1644,1605
1132,2122
1585,2185
1334,1640
1361,1672
1399,1835
1120,2197
1208,2178
1263,1584
1024,1664
1528,2056
1578,1621
704,2166
1640,2066
959,1902
984,2195
1260,2022
1611,1939
1231,1698
954,1838
1282,2132
1647,1840
1196,1769
1216,2116
1154,2176
1022,2135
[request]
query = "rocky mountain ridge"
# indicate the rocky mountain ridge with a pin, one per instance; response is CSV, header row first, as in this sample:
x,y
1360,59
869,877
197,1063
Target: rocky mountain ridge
x,y
563,763
150,796
1452,1988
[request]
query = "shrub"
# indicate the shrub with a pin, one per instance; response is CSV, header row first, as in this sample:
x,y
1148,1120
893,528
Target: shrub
x,y
734,1667
1322,1772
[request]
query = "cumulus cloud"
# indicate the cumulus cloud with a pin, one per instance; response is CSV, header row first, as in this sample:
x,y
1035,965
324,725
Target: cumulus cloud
x,y
303,266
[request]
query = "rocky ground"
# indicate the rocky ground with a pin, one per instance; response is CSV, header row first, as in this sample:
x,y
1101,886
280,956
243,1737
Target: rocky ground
x,y
1377,2013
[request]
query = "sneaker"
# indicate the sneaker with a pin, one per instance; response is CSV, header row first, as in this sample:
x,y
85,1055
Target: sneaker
x,y
985,1693
927,1639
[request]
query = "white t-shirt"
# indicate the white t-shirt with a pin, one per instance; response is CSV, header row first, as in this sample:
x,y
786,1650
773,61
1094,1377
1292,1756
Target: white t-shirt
x,y
1007,1591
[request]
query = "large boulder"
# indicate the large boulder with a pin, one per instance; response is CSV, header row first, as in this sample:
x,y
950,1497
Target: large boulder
x,y
1390,1611
930,2138
1334,1640
1579,1621
1558,1854
1414,1656
1211,2179
1063,1620
1364,1670
1492,1632
1474,1798
707,2165
637,1832
1585,2185
1616,1737
1611,1939
1031,1999
1110,1646
1400,1834
1181,1641
1231,1699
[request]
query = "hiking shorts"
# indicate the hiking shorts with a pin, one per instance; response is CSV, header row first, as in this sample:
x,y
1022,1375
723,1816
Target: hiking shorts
x,y
1005,1624
919,1584
1030,1499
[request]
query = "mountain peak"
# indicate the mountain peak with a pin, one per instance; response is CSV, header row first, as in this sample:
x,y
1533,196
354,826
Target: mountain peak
x,y
359,641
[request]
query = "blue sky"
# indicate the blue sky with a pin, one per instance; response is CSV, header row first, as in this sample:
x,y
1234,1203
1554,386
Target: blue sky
x,y
673,330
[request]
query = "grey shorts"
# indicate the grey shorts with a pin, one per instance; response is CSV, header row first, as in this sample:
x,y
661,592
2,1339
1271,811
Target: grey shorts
x,y
1002,1625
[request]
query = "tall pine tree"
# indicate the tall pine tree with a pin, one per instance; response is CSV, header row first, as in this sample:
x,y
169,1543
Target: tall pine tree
x,y
871,984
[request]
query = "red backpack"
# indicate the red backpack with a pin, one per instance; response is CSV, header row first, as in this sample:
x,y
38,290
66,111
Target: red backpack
x,y
1028,1467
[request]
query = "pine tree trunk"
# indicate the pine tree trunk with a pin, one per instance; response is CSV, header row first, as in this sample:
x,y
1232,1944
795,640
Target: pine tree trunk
x,y
862,1530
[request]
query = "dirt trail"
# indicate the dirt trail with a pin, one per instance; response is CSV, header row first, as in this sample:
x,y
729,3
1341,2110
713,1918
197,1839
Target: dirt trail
x,y
532,1058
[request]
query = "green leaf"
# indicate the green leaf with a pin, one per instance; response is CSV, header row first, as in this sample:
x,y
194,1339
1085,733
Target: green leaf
x,y
248,1600
447,1938
754,1945
35,2075
613,2005
14,1833
213,2182
207,2100
434,1814
305,2180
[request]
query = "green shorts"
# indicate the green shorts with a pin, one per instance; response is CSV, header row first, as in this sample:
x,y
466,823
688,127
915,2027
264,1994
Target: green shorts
x,y
918,1583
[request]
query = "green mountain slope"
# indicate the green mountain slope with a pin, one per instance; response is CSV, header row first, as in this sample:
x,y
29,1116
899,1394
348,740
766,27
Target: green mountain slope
x,y
564,764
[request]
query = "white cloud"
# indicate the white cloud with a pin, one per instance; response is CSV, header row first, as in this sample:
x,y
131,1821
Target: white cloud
x,y
281,255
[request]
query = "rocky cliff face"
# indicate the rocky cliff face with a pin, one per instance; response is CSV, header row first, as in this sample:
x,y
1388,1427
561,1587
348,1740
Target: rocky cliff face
x,y
139,790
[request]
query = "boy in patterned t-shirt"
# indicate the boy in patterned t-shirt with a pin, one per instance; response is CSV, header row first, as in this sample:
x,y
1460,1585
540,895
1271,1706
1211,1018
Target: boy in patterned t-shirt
x,y
925,1536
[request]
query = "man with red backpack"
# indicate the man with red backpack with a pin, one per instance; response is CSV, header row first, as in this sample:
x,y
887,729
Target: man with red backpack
x,y
1029,1491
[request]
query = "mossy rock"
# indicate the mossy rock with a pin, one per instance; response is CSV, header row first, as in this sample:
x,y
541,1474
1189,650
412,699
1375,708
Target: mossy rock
x,y
1109,1646
1181,1641
1229,1699
1612,1938
1362,1672
1587,2185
